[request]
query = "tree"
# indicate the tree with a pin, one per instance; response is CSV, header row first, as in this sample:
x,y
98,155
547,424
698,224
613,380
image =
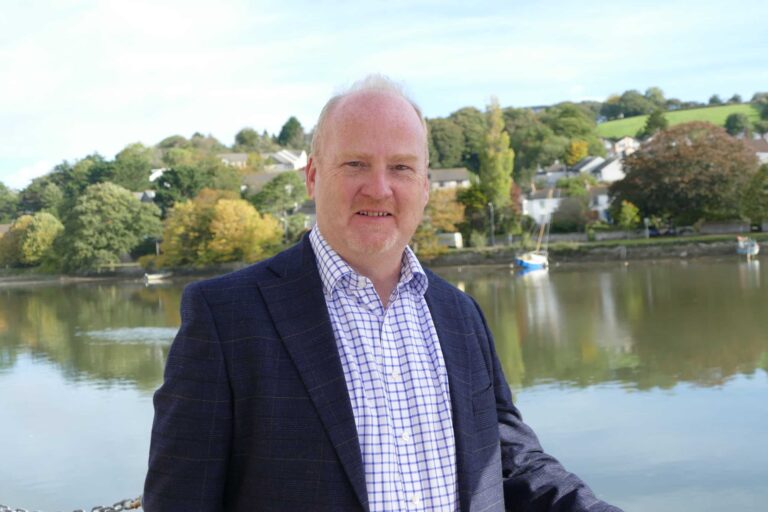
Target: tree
x,y
496,160
571,215
569,120
186,181
715,100
611,108
38,238
628,216
447,141
755,201
249,140
281,195
760,127
444,211
736,98
292,134
475,205
655,123
577,186
10,242
688,172
576,152
534,143
9,202
632,103
656,96
132,167
473,126
736,123
106,222
217,227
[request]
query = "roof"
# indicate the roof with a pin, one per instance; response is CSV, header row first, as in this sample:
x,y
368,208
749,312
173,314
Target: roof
x,y
453,174
587,163
604,164
757,145
234,157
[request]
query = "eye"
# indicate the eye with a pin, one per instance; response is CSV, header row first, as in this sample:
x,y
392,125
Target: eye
x,y
354,163
402,167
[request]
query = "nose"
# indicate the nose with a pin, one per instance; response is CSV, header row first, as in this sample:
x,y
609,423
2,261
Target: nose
x,y
377,184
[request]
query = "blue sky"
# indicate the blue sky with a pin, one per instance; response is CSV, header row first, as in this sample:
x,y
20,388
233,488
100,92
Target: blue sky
x,y
84,76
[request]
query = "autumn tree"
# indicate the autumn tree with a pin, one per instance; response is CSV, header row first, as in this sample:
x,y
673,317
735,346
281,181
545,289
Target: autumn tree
x,y
628,216
496,160
688,172
442,215
217,227
106,222
577,151
10,242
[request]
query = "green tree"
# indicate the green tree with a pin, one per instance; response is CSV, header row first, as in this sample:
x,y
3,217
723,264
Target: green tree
x,y
572,214
569,120
9,203
186,181
497,159
628,216
475,205
755,201
656,96
106,222
655,123
248,140
534,143
10,242
29,239
736,123
715,100
292,134
735,99
132,167
283,194
611,108
577,186
473,125
688,172
760,127
632,103
447,140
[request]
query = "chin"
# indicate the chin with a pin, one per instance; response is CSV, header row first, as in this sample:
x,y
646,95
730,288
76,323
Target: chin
x,y
373,243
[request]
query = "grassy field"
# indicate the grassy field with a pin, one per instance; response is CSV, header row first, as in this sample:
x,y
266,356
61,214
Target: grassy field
x,y
715,115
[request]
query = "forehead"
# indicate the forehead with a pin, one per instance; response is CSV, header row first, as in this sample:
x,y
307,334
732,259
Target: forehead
x,y
375,119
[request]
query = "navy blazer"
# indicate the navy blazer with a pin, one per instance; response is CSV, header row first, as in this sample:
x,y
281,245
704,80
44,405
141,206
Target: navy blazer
x,y
254,412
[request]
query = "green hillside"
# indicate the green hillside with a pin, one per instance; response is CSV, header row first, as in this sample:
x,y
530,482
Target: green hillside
x,y
715,115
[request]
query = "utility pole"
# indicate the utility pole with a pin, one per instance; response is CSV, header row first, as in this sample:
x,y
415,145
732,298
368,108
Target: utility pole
x,y
490,212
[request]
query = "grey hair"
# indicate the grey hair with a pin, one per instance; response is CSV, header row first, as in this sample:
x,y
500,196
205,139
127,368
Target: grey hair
x,y
371,83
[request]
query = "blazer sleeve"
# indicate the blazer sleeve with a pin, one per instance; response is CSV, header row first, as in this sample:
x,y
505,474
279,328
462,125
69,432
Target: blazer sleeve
x,y
532,479
191,431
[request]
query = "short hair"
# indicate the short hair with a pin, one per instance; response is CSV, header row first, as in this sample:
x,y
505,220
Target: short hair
x,y
371,83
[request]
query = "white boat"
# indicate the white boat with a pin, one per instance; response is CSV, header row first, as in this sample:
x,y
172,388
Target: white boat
x,y
538,258
747,246
156,278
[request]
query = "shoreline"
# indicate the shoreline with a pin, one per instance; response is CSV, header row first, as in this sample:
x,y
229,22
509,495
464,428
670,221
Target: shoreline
x,y
582,252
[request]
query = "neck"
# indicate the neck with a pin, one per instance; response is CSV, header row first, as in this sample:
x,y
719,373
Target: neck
x,y
383,273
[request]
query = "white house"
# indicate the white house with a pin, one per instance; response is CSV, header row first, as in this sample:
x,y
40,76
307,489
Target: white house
x,y
448,178
609,170
624,147
286,160
540,206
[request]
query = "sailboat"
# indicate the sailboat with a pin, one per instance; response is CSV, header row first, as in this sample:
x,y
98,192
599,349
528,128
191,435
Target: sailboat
x,y
747,246
537,259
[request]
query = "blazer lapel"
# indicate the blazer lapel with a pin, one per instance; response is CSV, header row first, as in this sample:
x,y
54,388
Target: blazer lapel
x,y
296,303
451,331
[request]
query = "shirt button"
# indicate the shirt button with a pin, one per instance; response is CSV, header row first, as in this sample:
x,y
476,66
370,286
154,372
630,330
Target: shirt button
x,y
395,376
416,499
405,436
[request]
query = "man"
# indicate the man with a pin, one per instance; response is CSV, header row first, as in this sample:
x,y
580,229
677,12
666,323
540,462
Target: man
x,y
340,375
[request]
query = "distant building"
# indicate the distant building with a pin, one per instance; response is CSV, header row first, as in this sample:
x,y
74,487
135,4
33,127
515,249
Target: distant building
x,y
448,178
760,147
285,160
609,170
147,196
238,160
623,147
540,206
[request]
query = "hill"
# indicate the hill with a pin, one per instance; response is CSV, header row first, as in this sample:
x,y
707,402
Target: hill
x,y
715,115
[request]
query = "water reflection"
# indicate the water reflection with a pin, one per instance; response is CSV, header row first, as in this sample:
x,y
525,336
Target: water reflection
x,y
644,325
114,333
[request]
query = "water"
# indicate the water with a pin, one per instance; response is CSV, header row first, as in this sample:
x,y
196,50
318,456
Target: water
x,y
648,380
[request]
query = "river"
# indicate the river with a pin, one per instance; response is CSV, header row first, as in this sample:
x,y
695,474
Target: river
x,y
649,380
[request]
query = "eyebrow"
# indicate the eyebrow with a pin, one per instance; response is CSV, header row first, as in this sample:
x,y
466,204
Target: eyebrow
x,y
404,157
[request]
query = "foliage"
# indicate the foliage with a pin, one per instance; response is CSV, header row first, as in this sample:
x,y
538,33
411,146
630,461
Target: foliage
x,y
443,210
292,134
656,96
132,167
473,126
216,227
475,205
425,242
577,186
577,150
534,143
655,123
571,215
628,216
186,181
248,140
736,98
106,222
715,100
755,201
688,172
496,160
760,127
10,242
446,142
715,115
9,202
38,238
283,194
631,103
736,123
571,121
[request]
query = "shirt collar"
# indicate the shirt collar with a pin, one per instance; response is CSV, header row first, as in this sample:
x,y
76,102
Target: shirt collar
x,y
333,268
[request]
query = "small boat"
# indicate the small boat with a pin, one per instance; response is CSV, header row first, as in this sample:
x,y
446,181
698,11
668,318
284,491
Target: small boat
x,y
537,259
156,278
747,246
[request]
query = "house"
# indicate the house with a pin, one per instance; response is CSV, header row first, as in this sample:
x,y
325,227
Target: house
x,y
448,178
147,196
760,147
609,170
587,164
550,174
599,202
285,160
239,160
623,147
541,204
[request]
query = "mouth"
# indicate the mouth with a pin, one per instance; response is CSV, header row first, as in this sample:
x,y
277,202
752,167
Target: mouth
x,y
373,213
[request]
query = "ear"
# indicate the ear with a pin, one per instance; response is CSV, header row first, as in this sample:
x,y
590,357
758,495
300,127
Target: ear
x,y
310,172
425,190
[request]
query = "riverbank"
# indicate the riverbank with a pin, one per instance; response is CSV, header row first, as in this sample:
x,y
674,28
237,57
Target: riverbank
x,y
564,252
614,250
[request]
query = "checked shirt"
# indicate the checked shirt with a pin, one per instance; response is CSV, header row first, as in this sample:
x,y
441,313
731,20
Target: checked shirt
x,y
397,383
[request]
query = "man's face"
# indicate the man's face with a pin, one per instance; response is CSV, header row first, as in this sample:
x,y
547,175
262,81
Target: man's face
x,y
369,178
